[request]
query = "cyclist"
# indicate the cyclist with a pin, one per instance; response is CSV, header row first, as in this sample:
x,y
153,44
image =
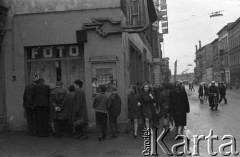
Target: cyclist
x,y
213,89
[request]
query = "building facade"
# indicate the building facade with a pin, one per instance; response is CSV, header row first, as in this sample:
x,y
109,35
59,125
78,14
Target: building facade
x,y
234,52
209,63
66,41
223,48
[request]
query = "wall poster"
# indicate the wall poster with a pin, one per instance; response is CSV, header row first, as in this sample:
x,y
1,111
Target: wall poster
x,y
103,75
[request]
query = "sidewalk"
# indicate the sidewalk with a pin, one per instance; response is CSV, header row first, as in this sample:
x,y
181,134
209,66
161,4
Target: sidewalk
x,y
19,144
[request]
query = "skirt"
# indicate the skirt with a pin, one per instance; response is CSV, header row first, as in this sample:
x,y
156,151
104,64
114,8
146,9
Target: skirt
x,y
180,119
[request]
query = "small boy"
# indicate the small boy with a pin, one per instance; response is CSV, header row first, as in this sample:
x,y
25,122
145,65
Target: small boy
x,y
100,106
114,110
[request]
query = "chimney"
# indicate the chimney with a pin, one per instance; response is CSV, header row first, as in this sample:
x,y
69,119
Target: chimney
x,y
196,48
200,46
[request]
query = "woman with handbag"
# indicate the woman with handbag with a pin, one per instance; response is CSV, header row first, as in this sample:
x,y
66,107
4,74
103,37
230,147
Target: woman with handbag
x,y
147,103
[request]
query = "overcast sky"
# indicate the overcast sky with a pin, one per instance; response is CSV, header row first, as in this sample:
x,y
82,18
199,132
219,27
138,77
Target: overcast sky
x,y
189,22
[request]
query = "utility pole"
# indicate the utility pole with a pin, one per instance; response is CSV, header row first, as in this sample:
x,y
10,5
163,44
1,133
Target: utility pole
x,y
175,71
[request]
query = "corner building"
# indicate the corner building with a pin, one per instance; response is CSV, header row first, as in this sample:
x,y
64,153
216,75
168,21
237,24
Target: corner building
x,y
68,42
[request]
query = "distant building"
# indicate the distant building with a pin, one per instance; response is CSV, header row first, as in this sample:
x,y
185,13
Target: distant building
x,y
234,51
223,48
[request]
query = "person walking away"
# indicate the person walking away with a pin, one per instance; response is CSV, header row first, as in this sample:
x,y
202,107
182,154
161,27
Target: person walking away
x,y
80,110
28,105
201,92
147,103
41,106
213,89
114,110
101,113
69,109
206,92
164,105
179,107
134,109
58,109
222,92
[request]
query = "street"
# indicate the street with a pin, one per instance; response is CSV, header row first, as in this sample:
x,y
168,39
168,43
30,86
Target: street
x,y
224,121
201,119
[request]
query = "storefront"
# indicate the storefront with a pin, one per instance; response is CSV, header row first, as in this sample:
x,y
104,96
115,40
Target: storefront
x,y
55,63
49,44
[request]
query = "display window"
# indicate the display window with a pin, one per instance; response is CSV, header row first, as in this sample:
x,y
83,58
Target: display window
x,y
55,63
103,74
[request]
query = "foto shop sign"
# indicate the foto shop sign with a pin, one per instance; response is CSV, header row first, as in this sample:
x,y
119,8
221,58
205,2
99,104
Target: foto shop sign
x,y
52,52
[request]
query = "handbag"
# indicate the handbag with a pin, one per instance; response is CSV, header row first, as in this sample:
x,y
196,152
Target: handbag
x,y
78,122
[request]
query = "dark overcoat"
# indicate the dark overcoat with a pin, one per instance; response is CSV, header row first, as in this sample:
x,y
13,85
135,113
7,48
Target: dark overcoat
x,y
146,105
179,106
69,103
134,111
80,108
41,95
28,96
57,99
114,104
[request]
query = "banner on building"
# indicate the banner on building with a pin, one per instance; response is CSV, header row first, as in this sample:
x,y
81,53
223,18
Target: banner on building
x,y
165,30
163,2
164,18
175,71
163,6
163,12
160,37
165,24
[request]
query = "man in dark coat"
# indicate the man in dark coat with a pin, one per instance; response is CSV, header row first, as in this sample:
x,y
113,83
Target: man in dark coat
x,y
179,107
28,105
41,107
58,109
213,89
222,92
80,110
114,110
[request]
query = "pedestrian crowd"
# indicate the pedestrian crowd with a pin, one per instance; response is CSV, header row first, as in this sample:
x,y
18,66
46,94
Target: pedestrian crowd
x,y
206,92
63,112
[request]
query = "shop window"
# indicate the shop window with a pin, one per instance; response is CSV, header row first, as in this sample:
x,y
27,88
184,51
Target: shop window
x,y
55,63
103,74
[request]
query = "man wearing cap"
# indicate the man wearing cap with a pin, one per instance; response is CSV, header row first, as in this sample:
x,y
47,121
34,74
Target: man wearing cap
x,y
80,110
58,111
212,89
28,105
114,110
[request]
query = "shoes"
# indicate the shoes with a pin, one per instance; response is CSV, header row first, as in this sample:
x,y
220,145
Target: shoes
x,y
99,138
135,136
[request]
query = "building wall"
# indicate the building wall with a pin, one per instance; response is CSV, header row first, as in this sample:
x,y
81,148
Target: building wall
x,y
40,6
54,29
234,52
2,87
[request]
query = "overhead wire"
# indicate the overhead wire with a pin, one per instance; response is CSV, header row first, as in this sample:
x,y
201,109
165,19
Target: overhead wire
x,y
193,17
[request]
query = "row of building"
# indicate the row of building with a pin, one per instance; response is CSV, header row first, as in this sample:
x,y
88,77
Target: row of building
x,y
220,59
108,41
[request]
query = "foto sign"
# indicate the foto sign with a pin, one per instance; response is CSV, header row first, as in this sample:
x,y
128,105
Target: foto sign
x,y
54,52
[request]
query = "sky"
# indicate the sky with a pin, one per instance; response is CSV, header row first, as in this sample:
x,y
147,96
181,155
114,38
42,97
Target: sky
x,y
188,22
